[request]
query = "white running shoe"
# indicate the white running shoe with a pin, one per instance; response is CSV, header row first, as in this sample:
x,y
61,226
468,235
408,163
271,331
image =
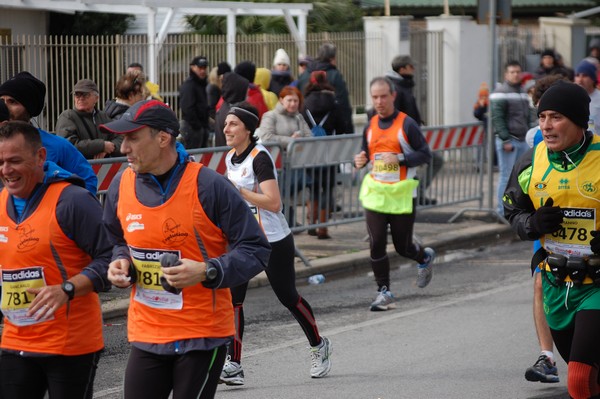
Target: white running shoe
x,y
425,269
232,373
319,357
383,301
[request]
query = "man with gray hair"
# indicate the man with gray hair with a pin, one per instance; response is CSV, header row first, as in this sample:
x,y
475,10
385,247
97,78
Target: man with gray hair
x,y
80,124
326,61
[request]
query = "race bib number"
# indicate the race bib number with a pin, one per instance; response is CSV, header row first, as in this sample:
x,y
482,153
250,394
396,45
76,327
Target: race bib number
x,y
15,298
149,291
385,172
573,238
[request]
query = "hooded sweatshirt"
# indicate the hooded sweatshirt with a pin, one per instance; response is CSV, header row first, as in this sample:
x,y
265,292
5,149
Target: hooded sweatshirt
x,y
234,91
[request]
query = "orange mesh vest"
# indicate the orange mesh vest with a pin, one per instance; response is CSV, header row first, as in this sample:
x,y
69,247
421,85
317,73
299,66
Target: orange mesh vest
x,y
38,241
381,141
179,225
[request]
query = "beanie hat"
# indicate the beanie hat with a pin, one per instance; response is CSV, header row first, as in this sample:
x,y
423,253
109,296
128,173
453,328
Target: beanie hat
x,y
247,113
587,69
222,68
281,57
568,99
246,69
549,52
594,43
26,89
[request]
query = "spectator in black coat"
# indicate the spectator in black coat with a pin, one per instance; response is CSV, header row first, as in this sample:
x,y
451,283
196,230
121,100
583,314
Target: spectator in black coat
x,y
193,103
234,90
402,75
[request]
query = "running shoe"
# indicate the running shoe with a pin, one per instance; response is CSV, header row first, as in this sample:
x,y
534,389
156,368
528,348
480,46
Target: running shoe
x,y
319,358
425,269
544,370
232,373
383,301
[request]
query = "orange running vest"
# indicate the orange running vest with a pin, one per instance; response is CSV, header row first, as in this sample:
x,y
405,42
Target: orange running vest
x,y
179,225
39,241
380,141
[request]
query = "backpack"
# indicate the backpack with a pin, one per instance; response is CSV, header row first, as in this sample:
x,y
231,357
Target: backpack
x,y
317,129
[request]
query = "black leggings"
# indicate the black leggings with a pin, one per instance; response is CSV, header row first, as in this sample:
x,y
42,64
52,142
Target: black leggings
x,y
192,375
282,277
580,345
62,376
401,227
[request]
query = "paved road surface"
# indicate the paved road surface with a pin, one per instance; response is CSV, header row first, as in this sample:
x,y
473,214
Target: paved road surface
x,y
468,335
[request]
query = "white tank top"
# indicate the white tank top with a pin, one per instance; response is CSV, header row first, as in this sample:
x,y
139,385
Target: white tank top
x,y
273,224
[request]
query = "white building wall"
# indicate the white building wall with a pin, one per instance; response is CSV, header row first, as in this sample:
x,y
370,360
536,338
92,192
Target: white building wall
x,y
466,64
386,37
24,22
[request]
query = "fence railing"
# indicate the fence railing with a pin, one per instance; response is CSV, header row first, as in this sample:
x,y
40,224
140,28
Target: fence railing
x,y
60,61
318,174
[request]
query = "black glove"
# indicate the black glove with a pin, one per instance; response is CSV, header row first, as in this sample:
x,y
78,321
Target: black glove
x,y
547,219
595,243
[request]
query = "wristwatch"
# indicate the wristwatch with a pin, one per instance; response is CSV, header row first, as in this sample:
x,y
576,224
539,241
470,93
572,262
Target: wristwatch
x,y
211,272
69,289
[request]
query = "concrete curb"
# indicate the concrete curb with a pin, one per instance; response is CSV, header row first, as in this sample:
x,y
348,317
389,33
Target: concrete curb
x,y
468,237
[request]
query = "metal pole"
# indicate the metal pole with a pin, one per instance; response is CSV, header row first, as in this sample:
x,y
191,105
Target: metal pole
x,y
492,86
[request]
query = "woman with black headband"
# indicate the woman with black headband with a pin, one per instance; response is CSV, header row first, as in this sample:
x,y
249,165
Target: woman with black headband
x,y
252,170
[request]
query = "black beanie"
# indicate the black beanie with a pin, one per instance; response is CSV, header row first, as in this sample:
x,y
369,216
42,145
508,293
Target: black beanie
x,y
568,99
223,68
246,69
26,89
247,113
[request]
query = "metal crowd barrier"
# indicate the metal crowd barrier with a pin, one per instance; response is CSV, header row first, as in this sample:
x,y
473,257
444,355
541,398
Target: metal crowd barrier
x,y
106,169
460,148
317,173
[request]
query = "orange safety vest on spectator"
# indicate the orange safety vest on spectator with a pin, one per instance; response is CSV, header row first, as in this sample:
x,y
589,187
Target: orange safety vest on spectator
x,y
35,244
179,225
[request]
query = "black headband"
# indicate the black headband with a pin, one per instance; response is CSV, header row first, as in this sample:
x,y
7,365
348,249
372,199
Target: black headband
x,y
250,119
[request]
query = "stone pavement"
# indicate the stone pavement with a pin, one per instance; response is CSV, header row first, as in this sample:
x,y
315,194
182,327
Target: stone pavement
x,y
348,249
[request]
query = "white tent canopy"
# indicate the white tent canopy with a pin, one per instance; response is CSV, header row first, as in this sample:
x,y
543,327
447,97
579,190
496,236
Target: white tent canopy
x,y
172,8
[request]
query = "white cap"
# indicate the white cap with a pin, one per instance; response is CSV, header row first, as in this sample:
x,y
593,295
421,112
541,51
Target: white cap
x,y
281,57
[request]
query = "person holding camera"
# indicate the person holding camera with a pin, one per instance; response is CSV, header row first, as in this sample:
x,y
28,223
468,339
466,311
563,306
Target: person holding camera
x,y
552,195
164,206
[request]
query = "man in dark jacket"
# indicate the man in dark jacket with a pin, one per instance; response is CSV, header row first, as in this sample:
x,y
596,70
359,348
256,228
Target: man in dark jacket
x,y
326,61
80,124
402,75
194,105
